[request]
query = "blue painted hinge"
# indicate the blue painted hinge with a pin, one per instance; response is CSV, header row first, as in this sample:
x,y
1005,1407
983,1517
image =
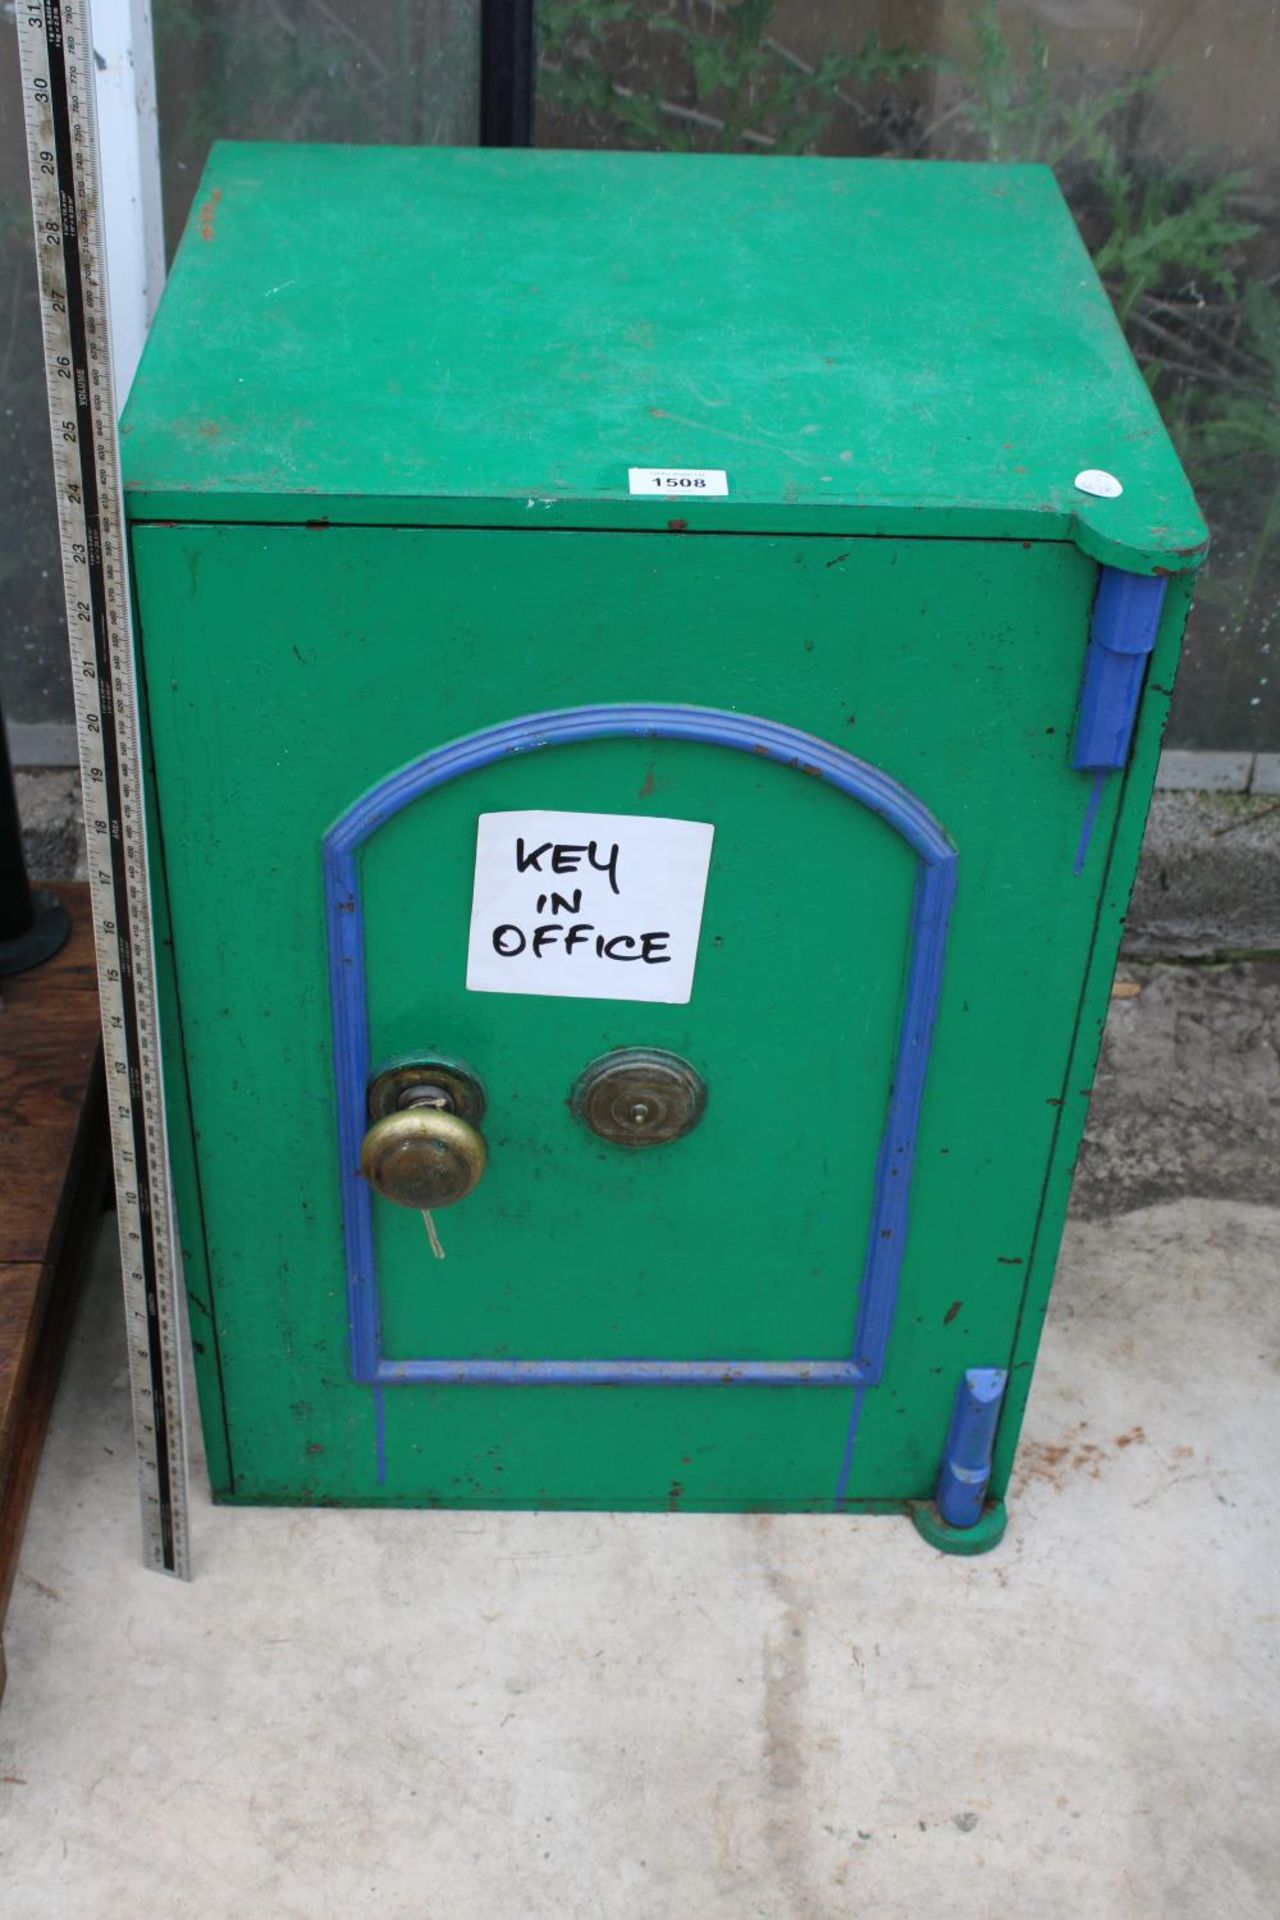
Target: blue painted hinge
x,y
1122,633
966,1460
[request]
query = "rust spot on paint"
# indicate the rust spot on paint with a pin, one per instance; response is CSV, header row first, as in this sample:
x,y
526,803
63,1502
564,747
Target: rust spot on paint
x,y
313,1446
951,1312
209,429
316,524
207,213
675,1493
816,772
677,526
647,787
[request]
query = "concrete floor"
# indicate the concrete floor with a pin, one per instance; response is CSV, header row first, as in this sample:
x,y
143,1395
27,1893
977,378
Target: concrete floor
x,y
423,1716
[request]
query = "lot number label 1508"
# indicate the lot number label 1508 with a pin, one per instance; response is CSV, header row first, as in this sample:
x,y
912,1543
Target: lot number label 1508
x,y
679,483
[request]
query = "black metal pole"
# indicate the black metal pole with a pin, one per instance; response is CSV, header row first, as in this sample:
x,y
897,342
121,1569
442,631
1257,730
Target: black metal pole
x,y
17,910
33,924
506,73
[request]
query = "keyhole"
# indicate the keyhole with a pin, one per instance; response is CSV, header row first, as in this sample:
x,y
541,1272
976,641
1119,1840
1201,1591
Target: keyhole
x,y
428,1095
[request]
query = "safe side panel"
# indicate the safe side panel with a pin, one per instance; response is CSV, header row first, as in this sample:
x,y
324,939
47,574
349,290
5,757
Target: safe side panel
x,y
1133,802
290,670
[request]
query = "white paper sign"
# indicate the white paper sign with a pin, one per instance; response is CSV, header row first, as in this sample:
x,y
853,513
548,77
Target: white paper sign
x,y
679,483
592,906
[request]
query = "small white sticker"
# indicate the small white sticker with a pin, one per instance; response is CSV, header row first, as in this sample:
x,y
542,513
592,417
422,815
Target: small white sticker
x,y
679,483
1102,485
590,906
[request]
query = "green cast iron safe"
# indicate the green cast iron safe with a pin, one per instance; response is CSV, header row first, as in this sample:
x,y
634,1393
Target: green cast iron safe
x,y
654,668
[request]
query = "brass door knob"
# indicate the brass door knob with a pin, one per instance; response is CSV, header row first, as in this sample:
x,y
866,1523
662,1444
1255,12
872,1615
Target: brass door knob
x,y
424,1158
424,1149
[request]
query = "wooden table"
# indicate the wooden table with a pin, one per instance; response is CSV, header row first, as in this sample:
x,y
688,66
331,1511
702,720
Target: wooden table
x,y
54,1164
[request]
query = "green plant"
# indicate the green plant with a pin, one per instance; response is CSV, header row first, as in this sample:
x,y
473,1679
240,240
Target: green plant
x,y
1167,242
1168,224
1242,434
1011,110
723,80
1011,113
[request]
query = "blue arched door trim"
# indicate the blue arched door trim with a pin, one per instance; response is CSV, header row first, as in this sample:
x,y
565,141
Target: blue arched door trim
x,y
931,907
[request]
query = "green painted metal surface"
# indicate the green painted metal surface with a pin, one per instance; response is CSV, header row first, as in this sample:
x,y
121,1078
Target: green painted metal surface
x,y
289,668
879,346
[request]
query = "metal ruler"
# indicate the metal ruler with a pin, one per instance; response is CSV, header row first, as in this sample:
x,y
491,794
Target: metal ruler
x,y
56,51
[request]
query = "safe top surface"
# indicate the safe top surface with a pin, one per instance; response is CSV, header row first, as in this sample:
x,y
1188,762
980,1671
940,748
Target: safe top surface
x,y
434,336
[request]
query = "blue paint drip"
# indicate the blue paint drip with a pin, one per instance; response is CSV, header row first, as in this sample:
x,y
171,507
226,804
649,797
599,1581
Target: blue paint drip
x,y
934,892
886,1239
966,1461
850,1440
380,1434
1089,823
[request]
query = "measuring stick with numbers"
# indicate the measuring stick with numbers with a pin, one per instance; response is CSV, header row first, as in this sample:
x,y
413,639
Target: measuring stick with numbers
x,y
57,63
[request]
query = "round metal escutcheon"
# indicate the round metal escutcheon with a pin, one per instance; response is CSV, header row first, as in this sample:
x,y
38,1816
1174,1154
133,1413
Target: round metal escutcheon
x,y
639,1097
428,1080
